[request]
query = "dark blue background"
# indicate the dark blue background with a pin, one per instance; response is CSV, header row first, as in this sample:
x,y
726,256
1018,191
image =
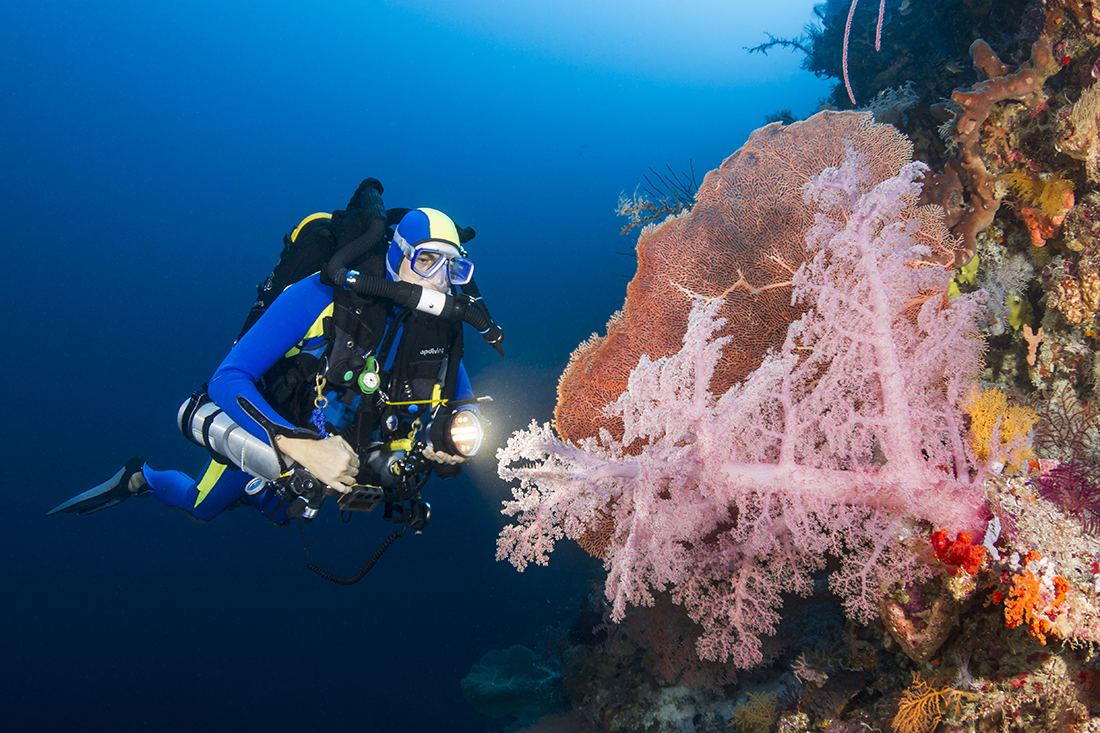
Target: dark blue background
x,y
153,155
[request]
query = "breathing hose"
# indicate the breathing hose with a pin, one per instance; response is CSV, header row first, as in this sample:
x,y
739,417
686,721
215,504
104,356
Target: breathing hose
x,y
375,210
417,297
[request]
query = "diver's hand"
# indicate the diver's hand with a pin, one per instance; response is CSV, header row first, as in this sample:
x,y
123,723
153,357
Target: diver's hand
x,y
331,460
441,457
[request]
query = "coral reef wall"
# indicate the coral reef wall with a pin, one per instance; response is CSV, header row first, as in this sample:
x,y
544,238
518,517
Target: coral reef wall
x,y
927,434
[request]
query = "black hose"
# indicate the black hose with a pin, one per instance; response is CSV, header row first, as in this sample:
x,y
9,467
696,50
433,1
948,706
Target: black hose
x,y
494,336
455,308
352,580
375,210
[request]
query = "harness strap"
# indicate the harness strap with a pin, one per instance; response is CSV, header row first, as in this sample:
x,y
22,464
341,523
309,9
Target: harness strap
x,y
208,423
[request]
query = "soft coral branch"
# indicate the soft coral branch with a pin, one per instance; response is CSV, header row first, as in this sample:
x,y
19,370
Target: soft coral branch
x,y
836,439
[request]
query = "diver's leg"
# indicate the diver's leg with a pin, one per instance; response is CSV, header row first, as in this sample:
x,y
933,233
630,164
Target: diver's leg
x,y
114,490
217,489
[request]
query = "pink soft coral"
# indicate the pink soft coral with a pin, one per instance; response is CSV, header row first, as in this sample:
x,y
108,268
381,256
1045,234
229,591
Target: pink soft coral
x,y
826,448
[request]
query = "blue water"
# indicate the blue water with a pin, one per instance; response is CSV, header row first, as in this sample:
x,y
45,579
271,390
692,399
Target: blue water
x,y
153,155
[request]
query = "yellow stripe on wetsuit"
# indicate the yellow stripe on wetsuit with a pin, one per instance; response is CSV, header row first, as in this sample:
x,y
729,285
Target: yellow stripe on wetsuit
x,y
209,478
317,330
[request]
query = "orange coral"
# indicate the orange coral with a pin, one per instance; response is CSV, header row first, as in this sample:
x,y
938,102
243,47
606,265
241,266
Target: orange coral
x,y
741,243
1033,339
1044,227
1061,585
922,706
1024,598
1026,603
1046,199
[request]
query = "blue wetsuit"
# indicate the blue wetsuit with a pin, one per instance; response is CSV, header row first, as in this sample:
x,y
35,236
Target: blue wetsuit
x,y
292,322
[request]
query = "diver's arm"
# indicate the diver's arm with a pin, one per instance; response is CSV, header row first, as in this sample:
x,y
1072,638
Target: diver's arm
x,y
278,330
331,460
463,389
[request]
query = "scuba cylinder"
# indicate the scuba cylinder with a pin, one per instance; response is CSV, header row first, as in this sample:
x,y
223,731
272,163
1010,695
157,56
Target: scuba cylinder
x,y
205,424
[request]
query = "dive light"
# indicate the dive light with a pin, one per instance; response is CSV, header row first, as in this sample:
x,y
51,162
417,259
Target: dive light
x,y
458,432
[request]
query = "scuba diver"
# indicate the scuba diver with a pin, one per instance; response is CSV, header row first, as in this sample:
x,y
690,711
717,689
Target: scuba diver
x,y
347,380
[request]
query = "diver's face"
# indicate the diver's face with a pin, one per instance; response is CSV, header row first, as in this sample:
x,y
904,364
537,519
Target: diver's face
x,y
438,281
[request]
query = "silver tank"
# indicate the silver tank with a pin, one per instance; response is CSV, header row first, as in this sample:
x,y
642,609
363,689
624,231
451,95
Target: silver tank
x,y
199,415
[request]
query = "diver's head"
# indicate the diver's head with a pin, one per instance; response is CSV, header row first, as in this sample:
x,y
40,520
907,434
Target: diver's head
x,y
426,251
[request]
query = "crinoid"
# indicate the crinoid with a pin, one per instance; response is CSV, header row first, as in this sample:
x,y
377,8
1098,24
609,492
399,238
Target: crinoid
x,y
1069,431
1074,486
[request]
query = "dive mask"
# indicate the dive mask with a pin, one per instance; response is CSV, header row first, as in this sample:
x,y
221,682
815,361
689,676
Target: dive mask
x,y
430,257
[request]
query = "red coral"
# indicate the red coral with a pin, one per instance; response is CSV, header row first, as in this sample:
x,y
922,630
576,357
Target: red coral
x,y
960,553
